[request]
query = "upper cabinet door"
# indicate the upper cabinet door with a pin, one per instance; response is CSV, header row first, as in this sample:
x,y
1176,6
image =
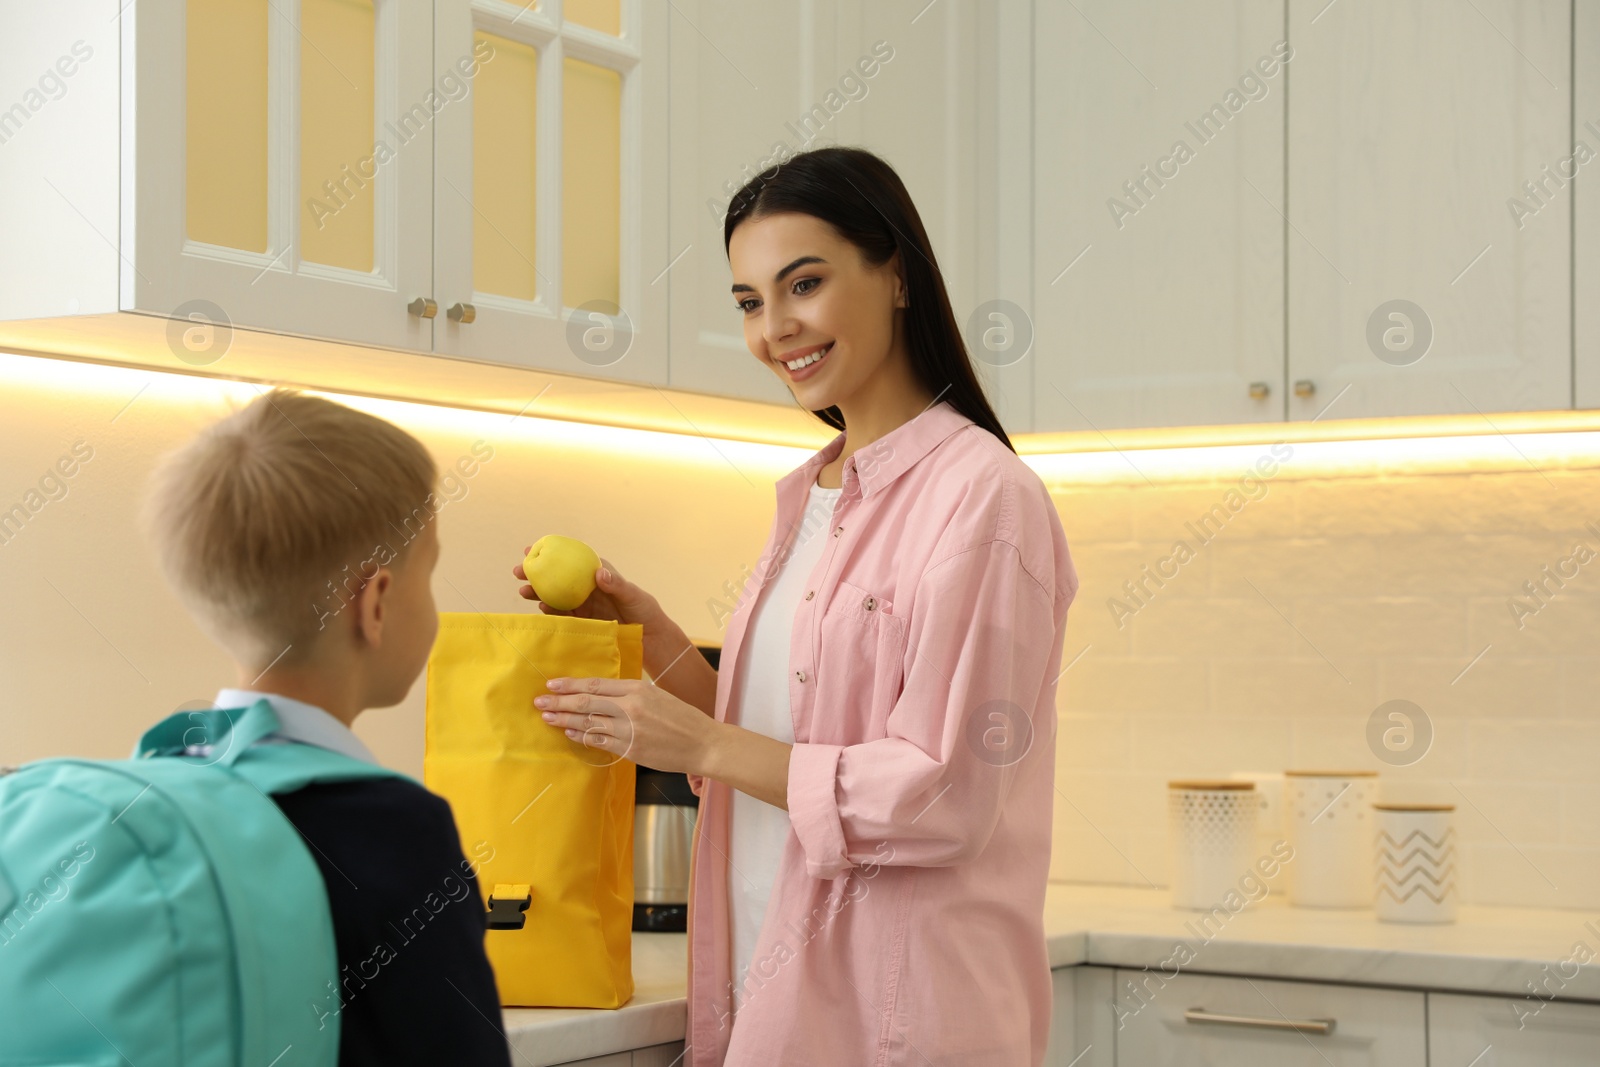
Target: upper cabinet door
x,y
752,84
1586,204
282,166
963,166
1158,192
1429,254
550,215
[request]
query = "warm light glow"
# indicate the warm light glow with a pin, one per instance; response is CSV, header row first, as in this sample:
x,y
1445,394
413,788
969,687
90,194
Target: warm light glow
x,y
116,388
1570,441
1528,452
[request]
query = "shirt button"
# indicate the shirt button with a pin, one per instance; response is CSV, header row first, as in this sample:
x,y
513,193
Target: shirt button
x,y
837,530
870,603
801,675
810,593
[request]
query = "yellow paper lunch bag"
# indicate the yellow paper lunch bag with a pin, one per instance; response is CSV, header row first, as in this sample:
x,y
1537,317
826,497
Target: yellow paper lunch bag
x,y
555,818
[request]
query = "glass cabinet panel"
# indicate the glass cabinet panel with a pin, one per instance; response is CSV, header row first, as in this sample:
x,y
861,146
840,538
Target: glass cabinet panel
x,y
602,15
338,171
225,104
504,170
591,183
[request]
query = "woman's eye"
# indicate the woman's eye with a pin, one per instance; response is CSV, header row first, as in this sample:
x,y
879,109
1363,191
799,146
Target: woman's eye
x,y
744,306
804,281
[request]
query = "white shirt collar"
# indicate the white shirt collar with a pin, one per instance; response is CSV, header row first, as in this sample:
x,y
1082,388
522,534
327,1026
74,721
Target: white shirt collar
x,y
299,721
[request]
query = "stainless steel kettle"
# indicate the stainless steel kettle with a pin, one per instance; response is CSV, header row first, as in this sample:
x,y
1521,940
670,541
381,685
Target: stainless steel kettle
x,y
664,818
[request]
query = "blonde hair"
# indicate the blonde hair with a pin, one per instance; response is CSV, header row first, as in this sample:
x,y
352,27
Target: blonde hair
x,y
269,520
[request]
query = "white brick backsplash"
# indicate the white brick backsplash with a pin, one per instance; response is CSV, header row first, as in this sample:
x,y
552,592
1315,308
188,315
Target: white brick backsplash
x,y
1302,685
1231,627
1309,566
1391,587
1382,628
1496,685
1543,750
1093,516
1117,686
1580,815
1093,741
1531,876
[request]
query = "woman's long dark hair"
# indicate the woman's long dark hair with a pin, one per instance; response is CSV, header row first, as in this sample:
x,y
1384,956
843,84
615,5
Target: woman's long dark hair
x,y
863,199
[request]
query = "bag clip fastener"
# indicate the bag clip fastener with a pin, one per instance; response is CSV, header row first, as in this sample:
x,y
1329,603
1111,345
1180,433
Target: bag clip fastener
x,y
508,905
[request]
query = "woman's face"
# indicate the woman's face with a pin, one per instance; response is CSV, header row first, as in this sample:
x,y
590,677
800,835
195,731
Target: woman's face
x,y
801,289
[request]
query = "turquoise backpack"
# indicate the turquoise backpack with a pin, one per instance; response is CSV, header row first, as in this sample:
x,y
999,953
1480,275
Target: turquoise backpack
x,y
162,911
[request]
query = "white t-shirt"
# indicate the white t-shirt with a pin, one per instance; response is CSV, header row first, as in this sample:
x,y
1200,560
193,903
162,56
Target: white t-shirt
x,y
759,830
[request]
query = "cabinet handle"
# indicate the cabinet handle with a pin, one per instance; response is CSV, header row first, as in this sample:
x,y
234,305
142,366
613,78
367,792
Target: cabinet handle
x,y
1305,387
1304,1026
1259,390
462,313
423,307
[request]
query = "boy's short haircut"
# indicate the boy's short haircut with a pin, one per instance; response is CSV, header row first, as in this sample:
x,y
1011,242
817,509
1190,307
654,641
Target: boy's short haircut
x,y
269,521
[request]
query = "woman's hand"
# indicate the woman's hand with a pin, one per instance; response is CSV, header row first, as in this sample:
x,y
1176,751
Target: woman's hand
x,y
614,598
633,719
665,644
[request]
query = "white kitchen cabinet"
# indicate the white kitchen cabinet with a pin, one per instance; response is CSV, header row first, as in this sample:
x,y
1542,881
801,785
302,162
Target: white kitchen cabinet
x,y
1512,1032
616,1059
1195,1020
550,217
668,1055
795,77
965,65
1586,206
1412,130
217,162
745,79
309,169
257,188
1158,185
1082,1026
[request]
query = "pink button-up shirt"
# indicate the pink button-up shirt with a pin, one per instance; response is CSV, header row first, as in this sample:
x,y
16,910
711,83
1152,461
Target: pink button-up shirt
x,y
906,920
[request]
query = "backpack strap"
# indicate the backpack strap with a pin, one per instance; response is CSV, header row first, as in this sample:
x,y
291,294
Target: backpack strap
x,y
232,734
228,731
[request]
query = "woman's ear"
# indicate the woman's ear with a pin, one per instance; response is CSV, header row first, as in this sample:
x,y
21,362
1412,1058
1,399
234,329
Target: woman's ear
x,y
902,298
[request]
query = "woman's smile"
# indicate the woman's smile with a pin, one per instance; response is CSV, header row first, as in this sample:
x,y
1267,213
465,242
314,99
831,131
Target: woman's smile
x,y
803,363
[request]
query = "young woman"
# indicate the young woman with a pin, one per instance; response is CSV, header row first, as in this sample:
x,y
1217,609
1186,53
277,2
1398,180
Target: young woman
x,y
875,759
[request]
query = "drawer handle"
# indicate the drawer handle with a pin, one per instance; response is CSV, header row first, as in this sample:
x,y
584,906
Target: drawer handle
x,y
1254,1022
462,313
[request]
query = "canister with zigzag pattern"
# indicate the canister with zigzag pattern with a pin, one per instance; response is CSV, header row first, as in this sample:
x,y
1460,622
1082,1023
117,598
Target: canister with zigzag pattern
x,y
1416,863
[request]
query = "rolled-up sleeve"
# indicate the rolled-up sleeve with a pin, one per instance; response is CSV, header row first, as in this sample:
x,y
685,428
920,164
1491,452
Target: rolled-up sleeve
x,y
929,794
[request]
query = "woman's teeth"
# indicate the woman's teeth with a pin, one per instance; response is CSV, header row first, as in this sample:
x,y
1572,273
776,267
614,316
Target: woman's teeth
x,y
808,360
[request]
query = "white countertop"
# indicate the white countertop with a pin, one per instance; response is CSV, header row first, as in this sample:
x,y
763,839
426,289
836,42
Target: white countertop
x,y
1489,950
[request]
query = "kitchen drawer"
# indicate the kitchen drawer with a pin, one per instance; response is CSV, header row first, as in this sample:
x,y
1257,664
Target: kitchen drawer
x,y
1515,1031
1370,1027
668,1055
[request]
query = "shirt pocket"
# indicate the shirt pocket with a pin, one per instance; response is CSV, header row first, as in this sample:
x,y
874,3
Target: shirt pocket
x,y
860,666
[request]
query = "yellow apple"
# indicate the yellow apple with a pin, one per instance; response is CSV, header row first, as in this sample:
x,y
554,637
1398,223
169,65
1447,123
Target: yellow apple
x,y
561,570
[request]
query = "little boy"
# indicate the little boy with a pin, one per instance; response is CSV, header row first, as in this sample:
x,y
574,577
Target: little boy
x,y
299,534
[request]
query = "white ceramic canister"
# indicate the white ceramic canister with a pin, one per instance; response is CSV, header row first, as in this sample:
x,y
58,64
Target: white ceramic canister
x,y
1212,830
1330,826
1416,863
1271,830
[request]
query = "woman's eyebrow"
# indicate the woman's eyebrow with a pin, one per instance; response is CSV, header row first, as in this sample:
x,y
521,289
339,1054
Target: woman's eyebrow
x,y
778,277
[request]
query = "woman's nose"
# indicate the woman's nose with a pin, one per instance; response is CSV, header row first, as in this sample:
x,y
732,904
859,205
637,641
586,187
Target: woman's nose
x,y
778,328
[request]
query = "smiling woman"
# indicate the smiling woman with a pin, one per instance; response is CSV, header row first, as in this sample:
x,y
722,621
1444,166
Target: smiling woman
x,y
879,759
